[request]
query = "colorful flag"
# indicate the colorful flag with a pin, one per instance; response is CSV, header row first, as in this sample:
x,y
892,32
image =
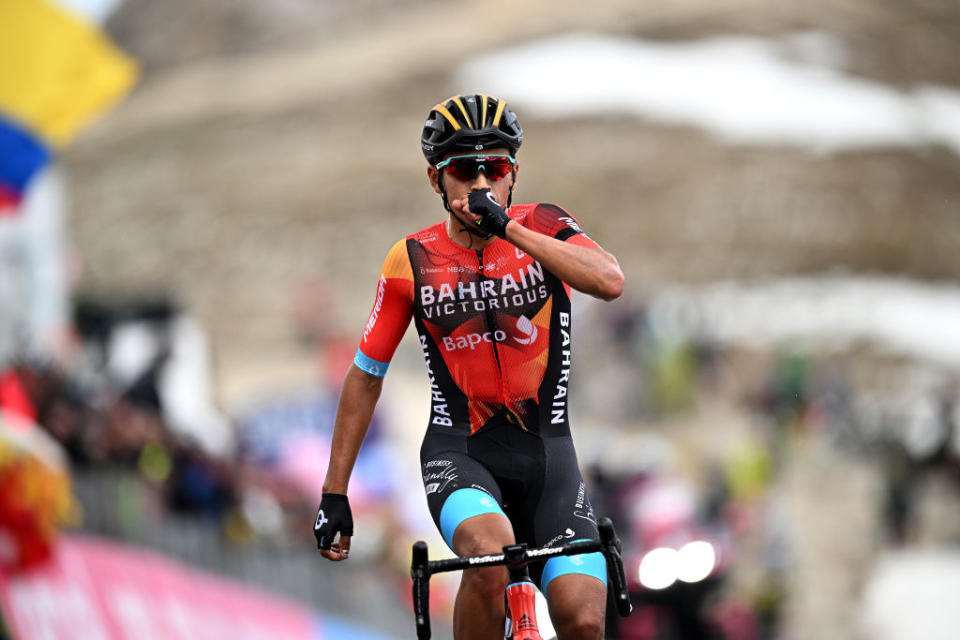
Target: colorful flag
x,y
58,72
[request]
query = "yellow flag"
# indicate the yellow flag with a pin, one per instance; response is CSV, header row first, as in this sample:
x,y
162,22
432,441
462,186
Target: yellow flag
x,y
57,71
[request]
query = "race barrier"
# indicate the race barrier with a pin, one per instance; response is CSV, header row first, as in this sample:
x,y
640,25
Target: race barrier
x,y
101,590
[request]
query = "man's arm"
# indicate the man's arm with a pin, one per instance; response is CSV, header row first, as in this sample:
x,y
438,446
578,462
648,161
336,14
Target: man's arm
x,y
388,320
586,269
358,398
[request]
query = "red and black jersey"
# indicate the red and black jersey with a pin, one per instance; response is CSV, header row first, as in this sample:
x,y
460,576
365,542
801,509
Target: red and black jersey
x,y
494,325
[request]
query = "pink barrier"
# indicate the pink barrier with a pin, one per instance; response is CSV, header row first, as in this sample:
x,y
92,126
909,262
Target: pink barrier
x,y
99,590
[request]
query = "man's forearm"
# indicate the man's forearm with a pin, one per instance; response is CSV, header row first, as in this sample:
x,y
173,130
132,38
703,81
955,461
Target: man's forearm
x,y
592,271
354,412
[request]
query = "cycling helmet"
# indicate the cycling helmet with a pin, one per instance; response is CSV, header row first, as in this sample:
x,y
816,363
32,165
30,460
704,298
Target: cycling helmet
x,y
469,123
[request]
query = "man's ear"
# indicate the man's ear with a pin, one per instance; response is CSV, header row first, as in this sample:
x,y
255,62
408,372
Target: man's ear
x,y
433,174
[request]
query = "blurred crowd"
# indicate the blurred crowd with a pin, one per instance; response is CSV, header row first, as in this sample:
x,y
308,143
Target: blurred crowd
x,y
124,405
897,416
110,416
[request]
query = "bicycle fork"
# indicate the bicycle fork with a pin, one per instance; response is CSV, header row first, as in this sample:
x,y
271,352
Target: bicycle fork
x,y
520,597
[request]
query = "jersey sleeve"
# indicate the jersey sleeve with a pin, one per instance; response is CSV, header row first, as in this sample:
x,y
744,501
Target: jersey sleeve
x,y
391,313
556,222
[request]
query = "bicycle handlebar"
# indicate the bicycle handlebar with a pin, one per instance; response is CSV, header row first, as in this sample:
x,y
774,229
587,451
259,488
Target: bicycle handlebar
x,y
615,572
422,568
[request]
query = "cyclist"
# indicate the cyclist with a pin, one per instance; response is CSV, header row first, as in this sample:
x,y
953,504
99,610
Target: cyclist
x,y
488,289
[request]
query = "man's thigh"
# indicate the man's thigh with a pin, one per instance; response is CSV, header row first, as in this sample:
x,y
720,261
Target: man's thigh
x,y
563,511
460,489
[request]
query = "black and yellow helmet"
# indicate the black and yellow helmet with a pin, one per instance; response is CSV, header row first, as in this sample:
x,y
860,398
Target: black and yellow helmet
x,y
469,123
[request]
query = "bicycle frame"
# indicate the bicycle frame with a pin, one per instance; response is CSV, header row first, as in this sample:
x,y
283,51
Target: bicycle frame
x,y
516,558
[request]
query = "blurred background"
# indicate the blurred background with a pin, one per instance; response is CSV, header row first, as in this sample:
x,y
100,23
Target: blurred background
x,y
196,201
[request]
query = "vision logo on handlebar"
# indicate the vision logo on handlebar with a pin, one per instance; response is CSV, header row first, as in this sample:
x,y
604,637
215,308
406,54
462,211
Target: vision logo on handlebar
x,y
516,558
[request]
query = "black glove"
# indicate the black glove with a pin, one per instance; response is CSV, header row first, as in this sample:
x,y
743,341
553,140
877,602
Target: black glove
x,y
493,219
333,517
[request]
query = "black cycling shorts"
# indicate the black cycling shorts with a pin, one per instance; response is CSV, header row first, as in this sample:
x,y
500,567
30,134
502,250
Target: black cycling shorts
x,y
534,481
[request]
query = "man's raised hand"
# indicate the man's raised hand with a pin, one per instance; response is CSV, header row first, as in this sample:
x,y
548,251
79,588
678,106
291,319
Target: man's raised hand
x,y
493,219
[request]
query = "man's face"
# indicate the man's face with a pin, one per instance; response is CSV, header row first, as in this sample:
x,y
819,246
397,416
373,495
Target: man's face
x,y
459,185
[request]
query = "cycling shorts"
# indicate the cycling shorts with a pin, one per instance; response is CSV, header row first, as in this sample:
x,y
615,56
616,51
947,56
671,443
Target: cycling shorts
x,y
534,481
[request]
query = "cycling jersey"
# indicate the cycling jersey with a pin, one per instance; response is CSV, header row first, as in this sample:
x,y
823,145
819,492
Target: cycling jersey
x,y
494,325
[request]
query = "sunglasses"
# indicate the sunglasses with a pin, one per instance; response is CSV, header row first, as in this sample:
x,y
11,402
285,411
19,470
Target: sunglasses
x,y
466,168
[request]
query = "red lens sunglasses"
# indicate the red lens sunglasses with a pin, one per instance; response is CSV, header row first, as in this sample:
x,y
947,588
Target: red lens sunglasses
x,y
466,168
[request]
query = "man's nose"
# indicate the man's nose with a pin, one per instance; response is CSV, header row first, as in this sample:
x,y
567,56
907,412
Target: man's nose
x,y
480,182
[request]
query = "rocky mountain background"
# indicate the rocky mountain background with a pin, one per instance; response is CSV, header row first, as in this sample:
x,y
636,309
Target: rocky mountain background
x,y
273,145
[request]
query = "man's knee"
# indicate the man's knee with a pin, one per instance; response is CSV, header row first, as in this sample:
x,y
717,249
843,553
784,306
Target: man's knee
x,y
488,582
580,625
577,607
482,534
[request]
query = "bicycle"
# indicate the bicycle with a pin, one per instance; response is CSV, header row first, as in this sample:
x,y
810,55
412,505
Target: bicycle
x,y
521,622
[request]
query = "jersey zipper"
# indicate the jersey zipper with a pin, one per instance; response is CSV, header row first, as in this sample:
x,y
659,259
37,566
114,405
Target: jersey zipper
x,y
490,326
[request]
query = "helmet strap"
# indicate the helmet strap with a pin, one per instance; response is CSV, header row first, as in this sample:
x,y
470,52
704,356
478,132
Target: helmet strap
x,y
513,183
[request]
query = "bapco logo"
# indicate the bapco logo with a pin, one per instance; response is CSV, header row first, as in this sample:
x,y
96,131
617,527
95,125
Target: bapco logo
x,y
321,520
471,340
528,329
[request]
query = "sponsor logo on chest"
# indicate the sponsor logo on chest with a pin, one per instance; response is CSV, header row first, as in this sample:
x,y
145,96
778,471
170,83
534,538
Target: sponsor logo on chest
x,y
525,286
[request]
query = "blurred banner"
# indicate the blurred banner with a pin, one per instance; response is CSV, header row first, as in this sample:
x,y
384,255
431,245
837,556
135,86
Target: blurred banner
x,y
117,592
60,72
